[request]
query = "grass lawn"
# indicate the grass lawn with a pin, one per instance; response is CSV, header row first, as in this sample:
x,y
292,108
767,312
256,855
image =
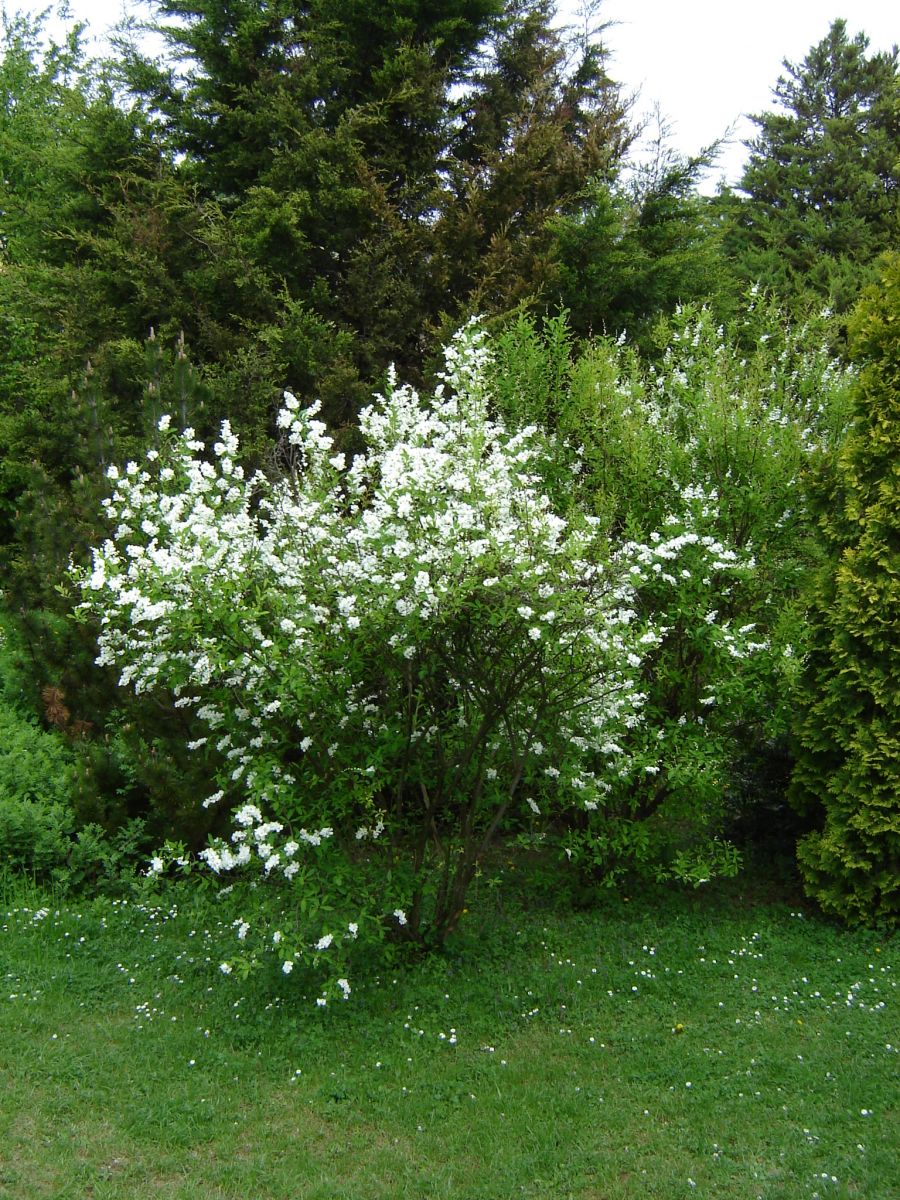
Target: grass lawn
x,y
671,1045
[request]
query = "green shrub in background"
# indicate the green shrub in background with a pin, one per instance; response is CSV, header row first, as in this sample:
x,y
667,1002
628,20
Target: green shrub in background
x,y
727,423
45,831
36,818
41,833
848,728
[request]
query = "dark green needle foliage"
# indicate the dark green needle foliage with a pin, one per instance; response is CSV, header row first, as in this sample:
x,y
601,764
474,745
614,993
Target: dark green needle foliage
x,y
820,190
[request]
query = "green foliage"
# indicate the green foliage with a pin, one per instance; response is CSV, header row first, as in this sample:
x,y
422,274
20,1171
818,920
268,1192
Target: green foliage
x,y
633,252
295,194
380,166
35,766
848,727
37,822
728,436
41,833
821,186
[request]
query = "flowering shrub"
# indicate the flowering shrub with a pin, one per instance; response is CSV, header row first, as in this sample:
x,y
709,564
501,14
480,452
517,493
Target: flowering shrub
x,y
725,427
397,660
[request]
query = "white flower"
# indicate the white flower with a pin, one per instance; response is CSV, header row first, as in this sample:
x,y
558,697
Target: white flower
x,y
247,815
287,966
400,915
344,985
325,941
156,865
225,968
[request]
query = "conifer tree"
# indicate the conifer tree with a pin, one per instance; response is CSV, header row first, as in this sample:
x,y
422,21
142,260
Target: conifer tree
x,y
822,183
848,729
385,164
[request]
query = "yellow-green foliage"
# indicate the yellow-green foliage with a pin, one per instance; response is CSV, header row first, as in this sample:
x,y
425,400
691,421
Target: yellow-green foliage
x,y
848,729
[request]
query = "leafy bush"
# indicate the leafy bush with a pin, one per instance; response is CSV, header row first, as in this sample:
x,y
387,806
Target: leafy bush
x,y
848,727
397,661
36,821
732,434
42,831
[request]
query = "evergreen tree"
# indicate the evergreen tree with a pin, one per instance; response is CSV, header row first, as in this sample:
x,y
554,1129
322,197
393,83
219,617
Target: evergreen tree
x,y
386,164
633,251
822,183
848,730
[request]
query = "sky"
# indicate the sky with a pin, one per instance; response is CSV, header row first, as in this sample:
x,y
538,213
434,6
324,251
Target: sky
x,y
708,63
705,63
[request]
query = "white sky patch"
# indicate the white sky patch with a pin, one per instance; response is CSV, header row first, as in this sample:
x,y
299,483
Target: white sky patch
x,y
707,63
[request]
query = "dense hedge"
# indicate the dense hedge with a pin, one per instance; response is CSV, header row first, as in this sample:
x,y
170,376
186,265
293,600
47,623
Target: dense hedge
x,y
848,728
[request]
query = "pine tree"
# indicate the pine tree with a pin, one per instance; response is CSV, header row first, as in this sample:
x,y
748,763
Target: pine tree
x,y
822,183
